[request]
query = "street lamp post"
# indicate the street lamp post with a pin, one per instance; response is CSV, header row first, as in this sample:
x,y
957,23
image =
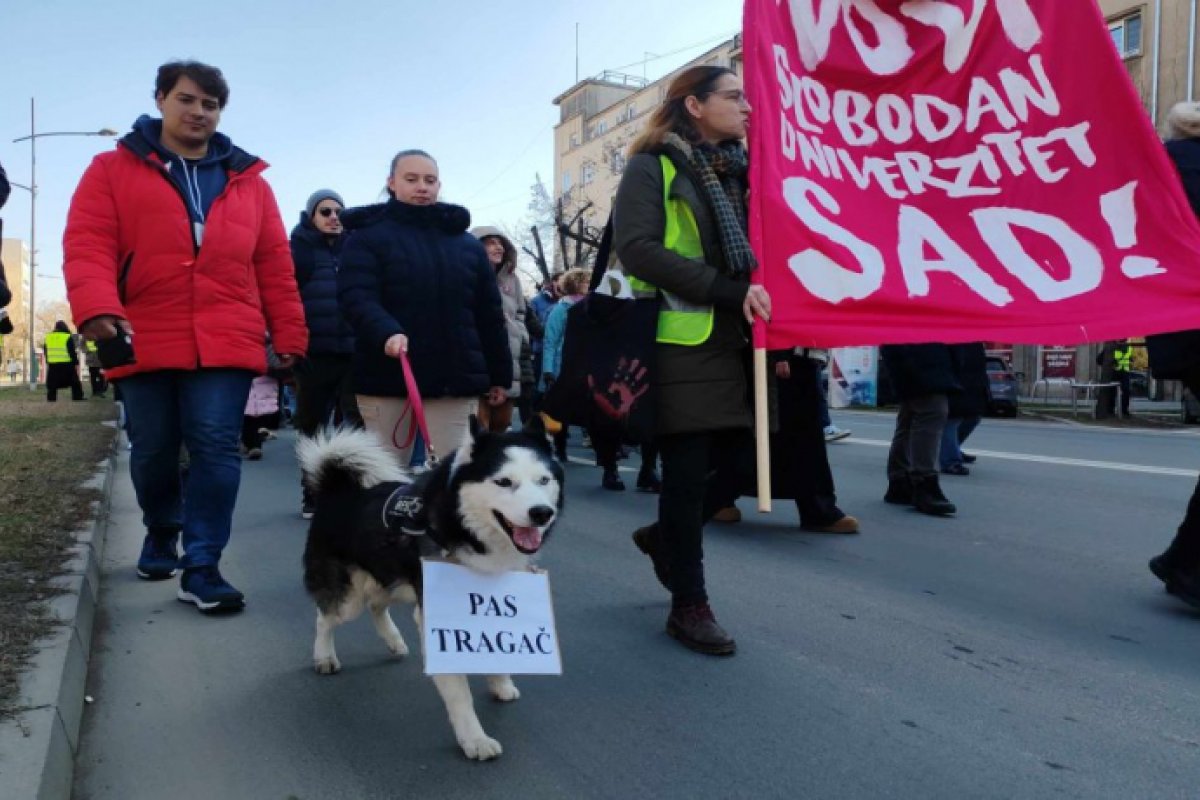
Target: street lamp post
x,y
32,188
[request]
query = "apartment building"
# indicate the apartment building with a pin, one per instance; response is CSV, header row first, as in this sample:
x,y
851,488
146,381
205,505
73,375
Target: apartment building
x,y
599,118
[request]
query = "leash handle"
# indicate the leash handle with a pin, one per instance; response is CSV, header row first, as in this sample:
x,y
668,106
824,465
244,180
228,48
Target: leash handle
x,y
417,406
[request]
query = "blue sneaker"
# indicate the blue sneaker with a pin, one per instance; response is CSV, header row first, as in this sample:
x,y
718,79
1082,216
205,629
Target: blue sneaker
x,y
204,588
160,557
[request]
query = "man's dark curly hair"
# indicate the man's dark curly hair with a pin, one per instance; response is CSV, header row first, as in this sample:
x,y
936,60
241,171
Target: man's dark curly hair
x,y
207,78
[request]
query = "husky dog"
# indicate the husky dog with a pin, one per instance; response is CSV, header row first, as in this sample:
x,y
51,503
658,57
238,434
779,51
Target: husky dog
x,y
489,507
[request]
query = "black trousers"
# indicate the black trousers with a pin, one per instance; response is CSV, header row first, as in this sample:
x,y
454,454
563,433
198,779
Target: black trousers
x,y
800,444
96,378
1185,549
690,496
325,383
63,376
608,446
917,442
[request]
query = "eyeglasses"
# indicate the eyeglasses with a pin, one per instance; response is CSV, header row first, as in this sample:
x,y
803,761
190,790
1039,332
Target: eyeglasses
x,y
329,212
736,95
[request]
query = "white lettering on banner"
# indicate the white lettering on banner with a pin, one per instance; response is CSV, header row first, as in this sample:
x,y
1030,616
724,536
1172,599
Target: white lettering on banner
x,y
1120,212
949,19
820,274
860,121
826,279
918,229
1087,268
814,27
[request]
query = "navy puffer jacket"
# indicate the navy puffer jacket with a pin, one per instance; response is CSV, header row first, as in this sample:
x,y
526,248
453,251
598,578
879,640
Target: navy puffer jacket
x,y
316,260
920,369
415,270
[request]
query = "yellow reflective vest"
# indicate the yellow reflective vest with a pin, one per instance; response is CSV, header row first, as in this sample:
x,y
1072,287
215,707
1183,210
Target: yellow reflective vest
x,y
679,322
1123,358
56,348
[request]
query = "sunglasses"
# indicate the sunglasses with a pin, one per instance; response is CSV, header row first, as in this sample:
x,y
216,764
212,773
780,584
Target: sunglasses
x,y
329,212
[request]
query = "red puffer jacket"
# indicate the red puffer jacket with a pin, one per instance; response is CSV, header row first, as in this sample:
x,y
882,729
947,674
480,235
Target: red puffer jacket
x,y
129,252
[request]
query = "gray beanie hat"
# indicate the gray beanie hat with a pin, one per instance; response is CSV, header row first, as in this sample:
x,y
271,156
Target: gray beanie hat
x,y
319,195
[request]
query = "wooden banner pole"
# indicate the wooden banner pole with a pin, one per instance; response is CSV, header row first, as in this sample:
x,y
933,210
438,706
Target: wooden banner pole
x,y
762,430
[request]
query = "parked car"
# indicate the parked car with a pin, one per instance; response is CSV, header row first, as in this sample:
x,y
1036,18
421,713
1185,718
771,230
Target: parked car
x,y
1190,407
1002,388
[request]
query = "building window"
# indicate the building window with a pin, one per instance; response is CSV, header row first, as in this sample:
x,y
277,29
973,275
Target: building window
x,y
618,162
587,174
602,127
566,181
1127,35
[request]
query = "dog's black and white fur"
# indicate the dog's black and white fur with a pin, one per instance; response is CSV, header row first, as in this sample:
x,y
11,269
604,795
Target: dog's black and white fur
x,y
488,507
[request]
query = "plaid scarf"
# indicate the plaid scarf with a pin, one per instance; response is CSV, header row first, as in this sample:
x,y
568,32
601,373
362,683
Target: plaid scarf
x,y
722,171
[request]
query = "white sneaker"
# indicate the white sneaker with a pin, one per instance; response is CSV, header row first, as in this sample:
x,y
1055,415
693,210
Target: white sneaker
x,y
833,433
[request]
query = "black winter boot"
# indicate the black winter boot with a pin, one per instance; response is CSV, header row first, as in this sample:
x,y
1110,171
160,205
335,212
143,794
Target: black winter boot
x,y
1180,581
928,497
899,492
695,627
649,542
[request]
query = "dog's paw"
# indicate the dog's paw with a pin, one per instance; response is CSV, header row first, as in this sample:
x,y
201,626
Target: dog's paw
x,y
327,666
397,646
481,748
504,690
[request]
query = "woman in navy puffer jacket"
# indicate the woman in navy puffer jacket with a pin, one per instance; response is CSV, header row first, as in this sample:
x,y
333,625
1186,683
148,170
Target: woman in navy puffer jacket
x,y
413,280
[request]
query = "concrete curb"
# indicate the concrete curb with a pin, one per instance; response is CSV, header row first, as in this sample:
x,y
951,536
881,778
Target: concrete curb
x,y
37,749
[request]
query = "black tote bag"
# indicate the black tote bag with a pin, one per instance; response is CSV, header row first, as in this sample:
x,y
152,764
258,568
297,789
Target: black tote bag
x,y
608,367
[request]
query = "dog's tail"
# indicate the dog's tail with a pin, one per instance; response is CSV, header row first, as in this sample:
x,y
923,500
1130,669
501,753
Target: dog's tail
x,y
346,458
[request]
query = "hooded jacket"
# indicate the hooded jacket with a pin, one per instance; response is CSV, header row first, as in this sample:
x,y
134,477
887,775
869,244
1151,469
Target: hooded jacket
x,y
512,300
415,270
317,260
196,297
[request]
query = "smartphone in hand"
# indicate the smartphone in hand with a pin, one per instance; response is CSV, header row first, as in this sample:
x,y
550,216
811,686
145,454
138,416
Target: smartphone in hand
x,y
116,351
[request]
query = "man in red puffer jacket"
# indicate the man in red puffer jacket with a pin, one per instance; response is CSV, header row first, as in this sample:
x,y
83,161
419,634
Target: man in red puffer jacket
x,y
174,242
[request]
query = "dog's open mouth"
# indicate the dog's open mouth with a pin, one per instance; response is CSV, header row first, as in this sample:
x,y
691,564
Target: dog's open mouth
x,y
527,539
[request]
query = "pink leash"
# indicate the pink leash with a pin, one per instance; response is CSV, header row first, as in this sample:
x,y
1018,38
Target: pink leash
x,y
418,407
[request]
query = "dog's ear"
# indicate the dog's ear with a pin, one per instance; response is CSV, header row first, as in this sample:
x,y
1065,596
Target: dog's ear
x,y
536,426
476,428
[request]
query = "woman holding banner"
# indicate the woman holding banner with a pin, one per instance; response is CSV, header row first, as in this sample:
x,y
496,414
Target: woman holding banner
x,y
680,232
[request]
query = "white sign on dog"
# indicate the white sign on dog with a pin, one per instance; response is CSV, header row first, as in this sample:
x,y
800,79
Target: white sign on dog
x,y
479,624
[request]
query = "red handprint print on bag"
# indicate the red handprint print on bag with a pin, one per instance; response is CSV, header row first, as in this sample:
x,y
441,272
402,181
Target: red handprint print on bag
x,y
629,382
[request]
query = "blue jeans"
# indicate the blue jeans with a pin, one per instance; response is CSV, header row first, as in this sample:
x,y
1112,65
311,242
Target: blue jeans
x,y
201,409
953,435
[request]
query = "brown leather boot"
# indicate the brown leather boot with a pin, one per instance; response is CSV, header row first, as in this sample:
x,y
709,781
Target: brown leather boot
x,y
694,625
648,542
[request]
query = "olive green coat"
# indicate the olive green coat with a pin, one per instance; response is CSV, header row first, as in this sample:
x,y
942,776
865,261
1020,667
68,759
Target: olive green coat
x,y
700,388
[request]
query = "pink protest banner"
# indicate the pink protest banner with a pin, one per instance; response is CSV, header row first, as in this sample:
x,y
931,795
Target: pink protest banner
x,y
958,170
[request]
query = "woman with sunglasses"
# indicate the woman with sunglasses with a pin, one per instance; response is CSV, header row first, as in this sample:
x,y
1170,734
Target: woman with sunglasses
x,y
680,231
324,379
414,281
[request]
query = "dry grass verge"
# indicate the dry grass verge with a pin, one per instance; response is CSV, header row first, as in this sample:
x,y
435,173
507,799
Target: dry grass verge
x,y
47,451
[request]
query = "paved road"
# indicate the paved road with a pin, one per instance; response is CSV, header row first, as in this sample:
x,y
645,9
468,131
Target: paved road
x,y
1019,651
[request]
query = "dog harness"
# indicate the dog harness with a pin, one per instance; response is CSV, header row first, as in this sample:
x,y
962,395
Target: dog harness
x,y
404,510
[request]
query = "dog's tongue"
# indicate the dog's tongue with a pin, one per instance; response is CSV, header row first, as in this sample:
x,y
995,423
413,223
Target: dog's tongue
x,y
527,538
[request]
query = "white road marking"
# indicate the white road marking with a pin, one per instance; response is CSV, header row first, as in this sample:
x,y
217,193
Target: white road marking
x,y
1065,462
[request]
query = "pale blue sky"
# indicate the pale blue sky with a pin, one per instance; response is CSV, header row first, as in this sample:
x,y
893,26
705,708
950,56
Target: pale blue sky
x,y
327,92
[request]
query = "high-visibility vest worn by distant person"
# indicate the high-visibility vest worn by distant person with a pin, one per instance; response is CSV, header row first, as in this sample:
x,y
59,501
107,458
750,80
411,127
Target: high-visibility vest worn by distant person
x,y
1123,358
679,322
56,348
